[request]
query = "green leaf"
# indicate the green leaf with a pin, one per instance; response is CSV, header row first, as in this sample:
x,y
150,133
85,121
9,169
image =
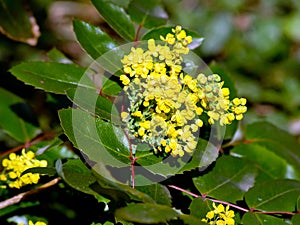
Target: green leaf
x,y
78,176
199,207
148,14
52,77
229,179
95,41
274,195
94,103
296,219
97,139
17,119
110,87
57,56
163,31
158,192
260,219
49,171
269,165
146,213
203,156
191,220
116,17
17,23
279,142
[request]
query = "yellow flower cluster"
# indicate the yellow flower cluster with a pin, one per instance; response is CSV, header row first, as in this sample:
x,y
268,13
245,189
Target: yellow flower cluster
x,y
15,165
220,216
165,103
31,223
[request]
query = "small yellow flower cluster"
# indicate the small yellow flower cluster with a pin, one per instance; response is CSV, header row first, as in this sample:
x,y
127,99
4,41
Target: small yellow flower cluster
x,y
165,103
31,223
220,216
15,165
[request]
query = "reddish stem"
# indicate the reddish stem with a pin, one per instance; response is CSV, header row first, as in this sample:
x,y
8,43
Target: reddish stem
x,y
136,38
29,143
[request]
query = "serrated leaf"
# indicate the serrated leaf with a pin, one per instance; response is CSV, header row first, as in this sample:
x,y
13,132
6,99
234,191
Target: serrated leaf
x,y
17,119
229,179
52,76
94,103
158,192
274,195
278,141
97,139
269,165
17,23
116,17
148,14
146,213
163,31
260,219
95,41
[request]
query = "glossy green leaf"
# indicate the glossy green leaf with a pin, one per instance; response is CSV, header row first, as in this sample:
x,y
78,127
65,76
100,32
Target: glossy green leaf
x,y
279,142
148,14
229,179
269,165
163,31
94,40
52,77
17,22
94,103
146,213
97,139
116,17
158,192
77,175
199,207
274,195
57,56
260,219
17,118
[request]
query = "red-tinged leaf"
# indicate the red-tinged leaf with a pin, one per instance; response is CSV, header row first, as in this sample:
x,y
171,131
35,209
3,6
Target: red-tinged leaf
x,y
17,23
